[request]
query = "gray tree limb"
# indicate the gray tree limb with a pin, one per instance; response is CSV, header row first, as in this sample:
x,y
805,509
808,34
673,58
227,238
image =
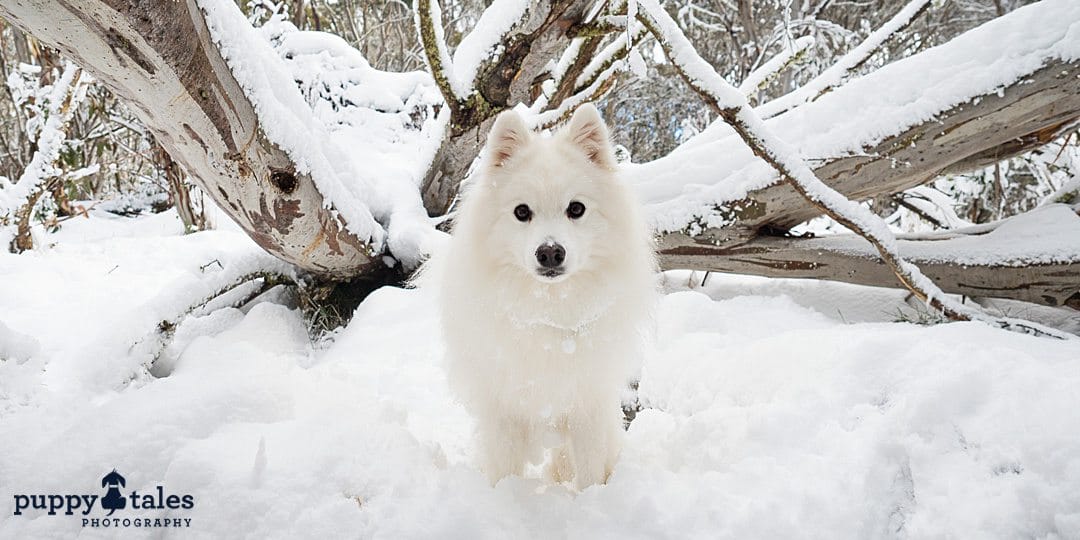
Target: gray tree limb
x,y
1055,284
159,57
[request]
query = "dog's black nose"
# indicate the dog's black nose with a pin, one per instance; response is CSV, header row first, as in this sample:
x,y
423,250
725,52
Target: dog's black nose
x,y
550,255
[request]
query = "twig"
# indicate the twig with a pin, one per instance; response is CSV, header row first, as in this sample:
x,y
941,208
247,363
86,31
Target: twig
x,y
166,328
761,77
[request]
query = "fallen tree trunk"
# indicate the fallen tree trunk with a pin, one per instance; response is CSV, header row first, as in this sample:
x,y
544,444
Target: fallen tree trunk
x,y
159,57
990,128
1028,114
1051,284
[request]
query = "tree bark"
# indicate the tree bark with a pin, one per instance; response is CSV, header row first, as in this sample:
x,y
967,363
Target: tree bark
x,y
159,57
179,191
993,127
503,82
780,257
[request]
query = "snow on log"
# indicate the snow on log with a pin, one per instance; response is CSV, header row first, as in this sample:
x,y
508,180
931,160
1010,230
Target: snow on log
x,y
381,130
792,167
986,95
160,58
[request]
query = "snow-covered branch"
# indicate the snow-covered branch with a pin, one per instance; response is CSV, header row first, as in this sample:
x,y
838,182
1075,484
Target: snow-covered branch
x,y
988,94
1018,258
612,53
566,107
64,93
484,43
762,76
834,75
732,106
19,200
429,27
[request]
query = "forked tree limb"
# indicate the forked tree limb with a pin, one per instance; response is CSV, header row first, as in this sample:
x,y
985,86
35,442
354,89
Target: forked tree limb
x,y
732,106
503,81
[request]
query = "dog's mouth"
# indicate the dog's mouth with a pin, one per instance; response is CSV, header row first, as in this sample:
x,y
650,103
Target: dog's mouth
x,y
552,274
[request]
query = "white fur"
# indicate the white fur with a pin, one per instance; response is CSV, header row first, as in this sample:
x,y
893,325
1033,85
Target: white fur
x,y
541,362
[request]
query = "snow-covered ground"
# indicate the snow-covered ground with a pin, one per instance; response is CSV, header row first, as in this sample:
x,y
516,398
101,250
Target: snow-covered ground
x,y
774,409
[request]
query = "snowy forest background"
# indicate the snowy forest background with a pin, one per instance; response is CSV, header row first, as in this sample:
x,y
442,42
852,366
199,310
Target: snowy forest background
x,y
180,290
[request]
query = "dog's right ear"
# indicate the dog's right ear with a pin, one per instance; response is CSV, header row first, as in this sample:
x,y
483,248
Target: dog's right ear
x,y
507,136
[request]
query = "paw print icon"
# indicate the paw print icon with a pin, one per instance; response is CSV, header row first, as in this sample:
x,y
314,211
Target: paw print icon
x,y
113,500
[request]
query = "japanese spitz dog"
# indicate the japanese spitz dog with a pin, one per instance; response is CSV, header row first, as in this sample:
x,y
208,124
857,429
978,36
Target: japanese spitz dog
x,y
547,287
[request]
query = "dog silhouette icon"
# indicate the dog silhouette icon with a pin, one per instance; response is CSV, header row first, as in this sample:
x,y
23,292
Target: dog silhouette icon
x,y
113,500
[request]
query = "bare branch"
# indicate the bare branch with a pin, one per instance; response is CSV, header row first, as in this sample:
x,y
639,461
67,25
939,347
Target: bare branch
x,y
851,61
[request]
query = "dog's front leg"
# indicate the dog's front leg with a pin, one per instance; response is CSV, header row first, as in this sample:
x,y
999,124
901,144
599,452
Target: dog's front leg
x,y
595,441
505,444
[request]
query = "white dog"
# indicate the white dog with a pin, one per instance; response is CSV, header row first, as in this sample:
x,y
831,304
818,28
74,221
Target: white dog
x,y
547,289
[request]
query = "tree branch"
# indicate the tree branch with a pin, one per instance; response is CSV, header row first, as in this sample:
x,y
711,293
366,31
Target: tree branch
x,y
837,258
761,77
159,57
851,61
429,28
732,106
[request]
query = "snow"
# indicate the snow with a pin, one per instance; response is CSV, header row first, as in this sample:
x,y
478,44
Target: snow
x,y
371,138
716,166
1018,241
773,408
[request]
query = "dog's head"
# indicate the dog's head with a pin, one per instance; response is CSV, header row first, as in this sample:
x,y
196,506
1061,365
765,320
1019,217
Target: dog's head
x,y
553,204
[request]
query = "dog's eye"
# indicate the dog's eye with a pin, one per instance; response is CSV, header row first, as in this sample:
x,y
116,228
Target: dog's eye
x,y
522,212
575,210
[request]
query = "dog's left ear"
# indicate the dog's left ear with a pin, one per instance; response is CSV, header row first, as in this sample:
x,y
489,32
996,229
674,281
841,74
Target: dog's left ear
x,y
588,132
